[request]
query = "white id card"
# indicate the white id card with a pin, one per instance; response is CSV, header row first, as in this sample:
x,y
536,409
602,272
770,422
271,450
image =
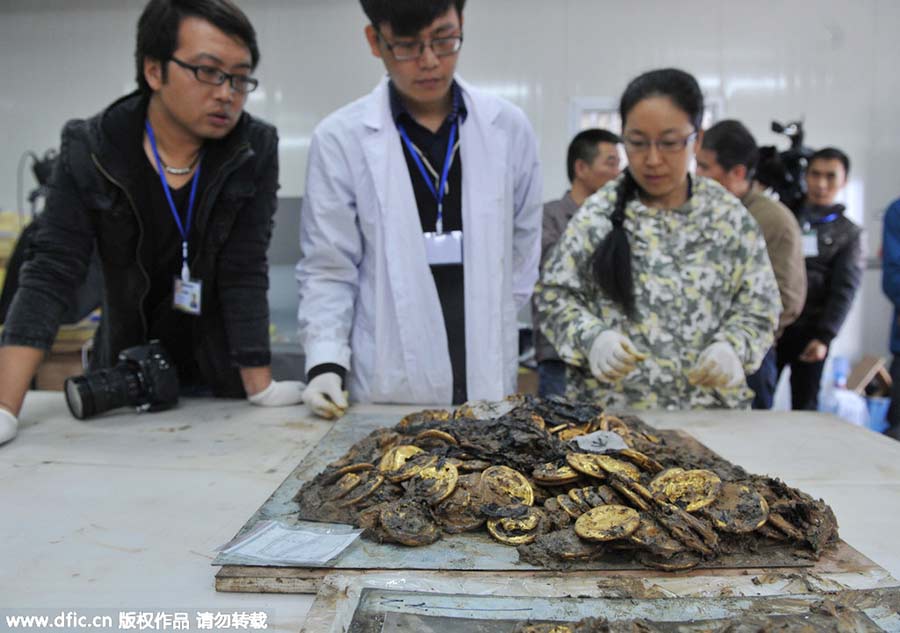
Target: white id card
x,y
186,296
810,244
444,248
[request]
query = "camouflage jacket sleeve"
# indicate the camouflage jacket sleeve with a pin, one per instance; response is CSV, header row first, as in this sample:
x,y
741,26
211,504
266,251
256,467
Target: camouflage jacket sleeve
x,y
566,296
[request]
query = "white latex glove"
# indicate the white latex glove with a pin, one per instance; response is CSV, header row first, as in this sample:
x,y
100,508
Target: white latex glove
x,y
9,424
718,367
279,394
323,395
613,356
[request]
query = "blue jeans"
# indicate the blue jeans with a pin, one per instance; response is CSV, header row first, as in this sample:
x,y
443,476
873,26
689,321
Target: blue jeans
x,y
764,382
552,378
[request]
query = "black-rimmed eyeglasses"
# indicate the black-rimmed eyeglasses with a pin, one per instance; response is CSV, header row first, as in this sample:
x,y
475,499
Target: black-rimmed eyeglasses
x,y
215,77
407,51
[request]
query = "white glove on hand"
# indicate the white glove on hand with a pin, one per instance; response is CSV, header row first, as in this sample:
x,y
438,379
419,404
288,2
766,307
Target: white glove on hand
x,y
613,356
279,394
718,367
324,397
9,424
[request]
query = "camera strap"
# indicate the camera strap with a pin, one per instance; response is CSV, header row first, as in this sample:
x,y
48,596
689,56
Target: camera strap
x,y
187,291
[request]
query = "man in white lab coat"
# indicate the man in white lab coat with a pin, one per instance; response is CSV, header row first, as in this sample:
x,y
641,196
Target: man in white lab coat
x,y
420,227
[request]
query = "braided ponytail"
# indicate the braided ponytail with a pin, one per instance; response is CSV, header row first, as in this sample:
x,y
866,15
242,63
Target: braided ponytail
x,y
611,262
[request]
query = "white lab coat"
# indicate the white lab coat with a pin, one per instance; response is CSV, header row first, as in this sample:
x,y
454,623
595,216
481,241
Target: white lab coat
x,y
368,301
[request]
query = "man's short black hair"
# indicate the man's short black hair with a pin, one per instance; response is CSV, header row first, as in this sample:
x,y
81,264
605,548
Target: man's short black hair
x,y
584,147
157,30
733,145
832,153
408,17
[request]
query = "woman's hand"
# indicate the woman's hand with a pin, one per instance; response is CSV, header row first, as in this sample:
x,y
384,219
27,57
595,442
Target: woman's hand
x,y
718,367
613,356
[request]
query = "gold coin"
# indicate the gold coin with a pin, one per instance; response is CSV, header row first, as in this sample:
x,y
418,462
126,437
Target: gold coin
x,y
344,485
553,474
422,418
397,456
437,436
505,486
628,492
435,483
411,468
538,421
568,434
612,423
643,461
651,536
688,489
677,562
613,465
360,492
738,509
352,468
569,507
516,531
607,523
577,495
586,463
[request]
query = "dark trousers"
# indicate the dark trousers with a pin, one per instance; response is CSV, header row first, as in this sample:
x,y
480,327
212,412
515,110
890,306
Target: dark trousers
x,y
805,377
551,378
893,414
764,381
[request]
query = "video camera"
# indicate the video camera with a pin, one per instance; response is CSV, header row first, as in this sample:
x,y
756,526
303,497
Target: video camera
x,y
784,172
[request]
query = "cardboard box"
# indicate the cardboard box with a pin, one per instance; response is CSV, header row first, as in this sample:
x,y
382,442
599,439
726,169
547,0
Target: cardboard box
x,y
870,377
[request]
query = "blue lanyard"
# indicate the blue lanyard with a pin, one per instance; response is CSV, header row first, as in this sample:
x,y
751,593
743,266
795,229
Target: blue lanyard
x,y
183,229
448,162
831,217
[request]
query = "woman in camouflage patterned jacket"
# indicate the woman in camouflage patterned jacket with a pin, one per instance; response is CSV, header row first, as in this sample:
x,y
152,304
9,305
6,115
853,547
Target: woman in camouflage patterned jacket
x,y
660,293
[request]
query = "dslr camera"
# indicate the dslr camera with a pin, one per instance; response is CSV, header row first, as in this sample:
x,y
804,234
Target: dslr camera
x,y
143,378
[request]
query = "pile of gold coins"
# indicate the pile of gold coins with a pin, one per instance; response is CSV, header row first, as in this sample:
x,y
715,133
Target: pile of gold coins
x,y
515,469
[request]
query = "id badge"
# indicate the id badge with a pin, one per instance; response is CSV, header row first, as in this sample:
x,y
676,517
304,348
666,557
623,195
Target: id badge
x,y
442,249
186,296
810,243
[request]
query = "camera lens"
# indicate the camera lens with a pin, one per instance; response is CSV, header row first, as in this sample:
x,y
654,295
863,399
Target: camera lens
x,y
101,391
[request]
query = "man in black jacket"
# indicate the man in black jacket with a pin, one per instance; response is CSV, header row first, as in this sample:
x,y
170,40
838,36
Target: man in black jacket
x,y
176,186
833,248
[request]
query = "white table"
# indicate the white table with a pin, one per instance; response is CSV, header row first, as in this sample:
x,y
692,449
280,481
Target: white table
x,y
124,512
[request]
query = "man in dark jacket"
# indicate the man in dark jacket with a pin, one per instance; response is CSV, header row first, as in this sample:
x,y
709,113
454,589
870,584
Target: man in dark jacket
x,y
833,248
592,160
176,186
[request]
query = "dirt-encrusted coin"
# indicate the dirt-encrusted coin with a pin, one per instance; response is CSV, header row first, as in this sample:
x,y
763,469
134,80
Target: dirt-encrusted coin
x,y
396,457
553,475
688,489
738,509
407,522
344,485
505,486
516,531
434,483
607,523
369,484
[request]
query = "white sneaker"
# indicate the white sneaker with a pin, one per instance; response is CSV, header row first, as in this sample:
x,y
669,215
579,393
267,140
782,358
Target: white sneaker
x,y
9,425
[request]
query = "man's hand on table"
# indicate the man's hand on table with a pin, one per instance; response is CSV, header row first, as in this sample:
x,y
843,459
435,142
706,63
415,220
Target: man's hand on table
x,y
324,396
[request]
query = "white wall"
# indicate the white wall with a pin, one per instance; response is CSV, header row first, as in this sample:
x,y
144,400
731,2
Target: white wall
x,y
832,62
